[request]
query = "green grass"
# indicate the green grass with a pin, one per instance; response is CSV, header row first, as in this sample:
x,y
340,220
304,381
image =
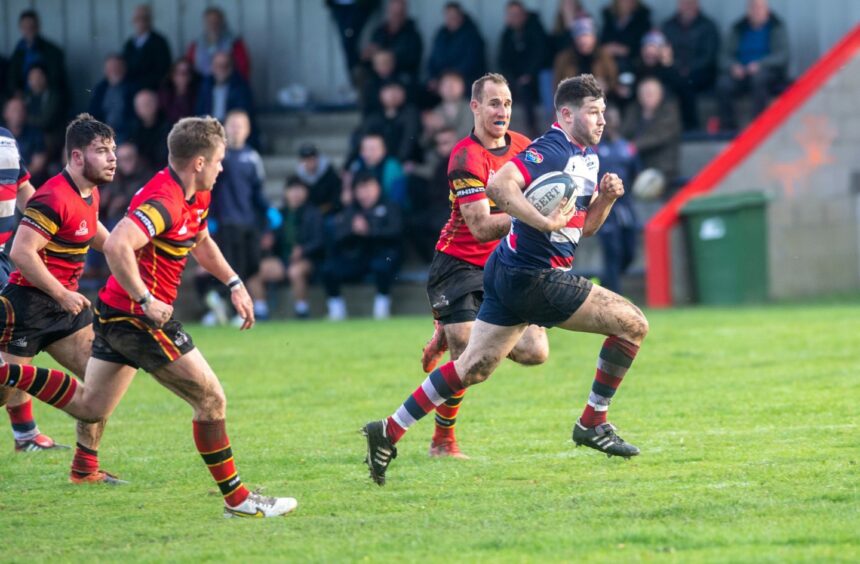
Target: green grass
x,y
747,420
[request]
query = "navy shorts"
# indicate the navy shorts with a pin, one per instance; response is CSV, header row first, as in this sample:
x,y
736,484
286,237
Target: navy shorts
x,y
545,297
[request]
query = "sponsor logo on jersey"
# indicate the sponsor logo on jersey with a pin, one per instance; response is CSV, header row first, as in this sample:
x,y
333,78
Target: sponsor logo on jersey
x,y
182,230
150,227
82,229
533,156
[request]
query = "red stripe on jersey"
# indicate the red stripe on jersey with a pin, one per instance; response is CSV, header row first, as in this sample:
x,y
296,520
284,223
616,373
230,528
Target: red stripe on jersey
x,y
560,262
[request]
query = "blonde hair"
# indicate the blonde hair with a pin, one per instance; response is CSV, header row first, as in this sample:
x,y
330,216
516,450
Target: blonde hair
x,y
194,136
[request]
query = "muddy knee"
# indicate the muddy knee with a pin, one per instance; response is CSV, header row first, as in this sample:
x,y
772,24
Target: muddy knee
x,y
480,369
213,405
531,356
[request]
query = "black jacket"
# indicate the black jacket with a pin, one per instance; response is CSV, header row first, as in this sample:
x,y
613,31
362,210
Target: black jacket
x,y
386,228
148,64
302,227
462,51
406,45
524,52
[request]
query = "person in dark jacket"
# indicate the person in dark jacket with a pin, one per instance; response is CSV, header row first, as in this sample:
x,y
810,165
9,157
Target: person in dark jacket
x,y
146,53
399,35
653,125
112,101
523,54
754,60
150,130
365,241
177,97
323,182
225,90
297,249
695,43
625,22
458,45
32,48
398,122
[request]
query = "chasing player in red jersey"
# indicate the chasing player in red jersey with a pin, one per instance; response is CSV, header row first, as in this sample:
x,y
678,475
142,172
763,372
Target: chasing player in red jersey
x,y
455,286
40,308
134,325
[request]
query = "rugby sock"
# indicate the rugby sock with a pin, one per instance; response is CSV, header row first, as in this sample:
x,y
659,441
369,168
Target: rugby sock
x,y
86,461
440,385
51,386
615,359
23,426
214,446
446,418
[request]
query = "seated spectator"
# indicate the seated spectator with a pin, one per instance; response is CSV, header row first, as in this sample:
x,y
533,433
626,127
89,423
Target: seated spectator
x,y
695,43
177,97
132,172
32,48
584,56
350,16
297,251
523,53
146,53
373,158
619,231
112,101
653,125
430,196
365,241
218,38
656,59
399,124
458,45
754,60
239,210
45,110
224,90
323,182
382,72
150,130
31,140
452,112
625,23
398,34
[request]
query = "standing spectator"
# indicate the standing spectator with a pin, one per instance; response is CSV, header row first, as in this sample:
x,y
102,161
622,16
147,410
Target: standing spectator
x,y
146,53
297,252
458,45
224,90
350,17
32,48
373,158
625,22
619,231
177,97
239,209
523,53
31,141
653,125
399,35
318,174
45,110
584,56
112,101
366,241
453,110
150,130
218,38
399,124
695,43
754,60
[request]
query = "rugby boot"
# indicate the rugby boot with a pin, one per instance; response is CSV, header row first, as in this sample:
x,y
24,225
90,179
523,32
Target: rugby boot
x,y
259,506
97,477
380,451
603,438
38,443
435,348
446,448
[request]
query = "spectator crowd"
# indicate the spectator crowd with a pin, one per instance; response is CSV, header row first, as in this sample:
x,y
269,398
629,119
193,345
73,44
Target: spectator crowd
x,y
341,224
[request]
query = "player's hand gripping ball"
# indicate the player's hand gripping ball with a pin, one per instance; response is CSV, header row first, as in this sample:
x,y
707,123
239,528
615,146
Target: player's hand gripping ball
x,y
547,191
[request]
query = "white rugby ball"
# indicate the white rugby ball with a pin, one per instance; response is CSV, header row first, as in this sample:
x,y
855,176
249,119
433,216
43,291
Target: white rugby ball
x,y
649,185
547,191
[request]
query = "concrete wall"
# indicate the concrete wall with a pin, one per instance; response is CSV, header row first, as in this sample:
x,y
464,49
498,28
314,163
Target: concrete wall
x,y
810,166
295,41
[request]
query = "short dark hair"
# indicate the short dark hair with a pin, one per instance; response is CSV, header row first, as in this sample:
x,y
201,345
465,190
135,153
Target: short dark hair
x,y
572,91
295,180
363,176
83,130
478,85
30,14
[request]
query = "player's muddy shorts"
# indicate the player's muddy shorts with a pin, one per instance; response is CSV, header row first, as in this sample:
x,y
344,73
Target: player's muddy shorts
x,y
544,297
455,289
134,340
32,320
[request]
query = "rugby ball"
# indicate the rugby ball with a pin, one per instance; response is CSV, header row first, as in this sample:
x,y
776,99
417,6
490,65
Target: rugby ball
x,y
547,191
649,185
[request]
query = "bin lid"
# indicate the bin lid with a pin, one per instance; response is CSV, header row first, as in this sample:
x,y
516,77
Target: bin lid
x,y
725,202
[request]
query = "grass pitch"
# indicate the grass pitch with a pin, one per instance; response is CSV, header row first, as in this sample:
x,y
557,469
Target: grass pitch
x,y
747,420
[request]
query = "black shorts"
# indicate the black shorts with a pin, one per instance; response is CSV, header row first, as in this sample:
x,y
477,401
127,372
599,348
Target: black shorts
x,y
455,289
241,248
134,340
32,320
538,296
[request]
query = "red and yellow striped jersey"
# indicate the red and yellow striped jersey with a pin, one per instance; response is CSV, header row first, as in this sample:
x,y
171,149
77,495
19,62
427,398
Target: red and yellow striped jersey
x,y
69,222
171,223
